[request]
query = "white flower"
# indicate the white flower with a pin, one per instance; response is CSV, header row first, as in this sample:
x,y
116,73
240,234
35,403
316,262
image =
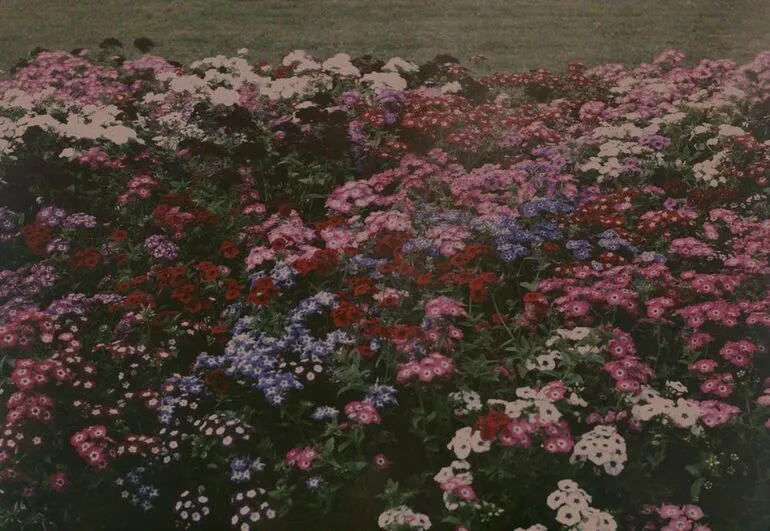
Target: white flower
x,y
547,411
604,431
304,61
544,362
576,500
461,443
646,411
403,515
568,515
223,96
730,130
574,400
676,387
526,393
556,499
385,80
613,468
242,51
190,84
68,153
451,88
596,520
340,64
512,409
478,445
120,134
576,334
685,414
396,63
536,527
567,485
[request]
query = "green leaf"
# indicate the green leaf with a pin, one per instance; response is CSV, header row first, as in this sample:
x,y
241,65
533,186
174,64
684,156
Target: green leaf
x,y
329,446
695,489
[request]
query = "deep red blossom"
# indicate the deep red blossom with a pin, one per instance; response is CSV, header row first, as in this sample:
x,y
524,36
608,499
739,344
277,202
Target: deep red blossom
x,y
262,291
346,314
228,249
217,381
233,289
491,424
37,237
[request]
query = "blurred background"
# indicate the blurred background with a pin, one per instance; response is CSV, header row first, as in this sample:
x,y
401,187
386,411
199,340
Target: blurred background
x,y
512,34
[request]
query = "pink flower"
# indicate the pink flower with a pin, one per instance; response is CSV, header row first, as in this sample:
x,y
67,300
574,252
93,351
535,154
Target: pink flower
x,y
465,493
555,445
669,511
577,308
381,461
703,366
693,512
681,524
58,481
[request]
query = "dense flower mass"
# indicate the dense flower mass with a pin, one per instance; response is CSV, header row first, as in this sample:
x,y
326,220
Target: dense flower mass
x,y
358,294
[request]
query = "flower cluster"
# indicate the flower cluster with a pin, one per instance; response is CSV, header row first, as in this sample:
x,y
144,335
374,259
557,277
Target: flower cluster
x,y
398,285
572,506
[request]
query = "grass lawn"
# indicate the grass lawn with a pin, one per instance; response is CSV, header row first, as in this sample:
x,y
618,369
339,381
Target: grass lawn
x,y
513,34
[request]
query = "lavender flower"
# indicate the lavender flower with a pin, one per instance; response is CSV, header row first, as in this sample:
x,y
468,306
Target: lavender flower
x,y
381,396
9,220
350,98
160,247
51,216
324,413
581,249
79,220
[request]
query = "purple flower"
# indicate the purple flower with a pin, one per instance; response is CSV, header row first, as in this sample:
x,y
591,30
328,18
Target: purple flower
x,y
350,98
51,216
656,142
79,220
160,247
670,203
9,220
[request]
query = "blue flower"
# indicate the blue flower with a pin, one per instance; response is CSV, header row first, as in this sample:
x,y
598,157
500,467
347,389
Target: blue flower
x,y
283,275
381,395
314,483
324,412
513,254
581,249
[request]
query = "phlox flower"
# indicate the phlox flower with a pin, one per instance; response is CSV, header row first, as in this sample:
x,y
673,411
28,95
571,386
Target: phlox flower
x,y
465,441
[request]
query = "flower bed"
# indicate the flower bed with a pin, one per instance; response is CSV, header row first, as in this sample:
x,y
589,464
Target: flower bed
x,y
351,294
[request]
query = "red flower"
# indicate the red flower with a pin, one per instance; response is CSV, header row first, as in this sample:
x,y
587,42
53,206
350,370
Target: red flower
x,y
490,424
183,294
208,271
279,244
119,235
86,258
346,315
217,381
233,289
362,286
478,290
551,247
262,291
218,329
37,237
425,279
365,351
228,249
